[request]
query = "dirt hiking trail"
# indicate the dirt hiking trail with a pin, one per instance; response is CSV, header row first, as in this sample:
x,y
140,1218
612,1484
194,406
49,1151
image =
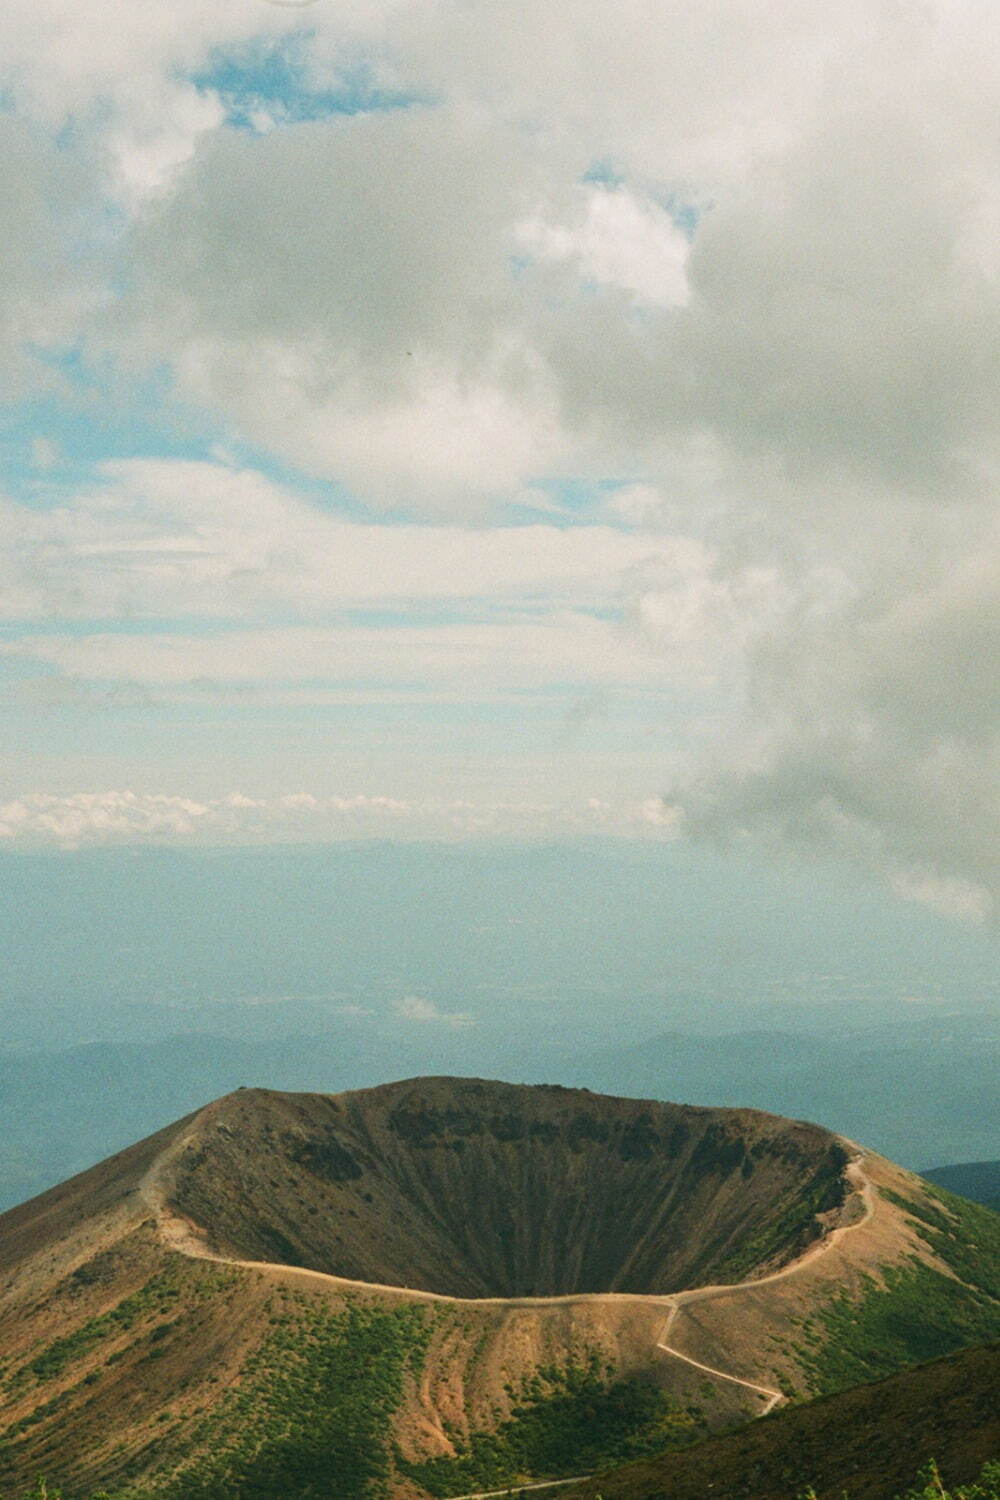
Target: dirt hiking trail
x,y
182,1236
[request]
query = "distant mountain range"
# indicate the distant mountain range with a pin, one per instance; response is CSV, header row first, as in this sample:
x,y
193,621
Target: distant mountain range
x,y
922,1098
978,1180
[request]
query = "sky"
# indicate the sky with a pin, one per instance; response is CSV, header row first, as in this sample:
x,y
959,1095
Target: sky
x,y
430,419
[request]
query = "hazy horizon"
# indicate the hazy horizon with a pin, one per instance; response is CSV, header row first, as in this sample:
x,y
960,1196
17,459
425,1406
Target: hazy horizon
x,y
141,982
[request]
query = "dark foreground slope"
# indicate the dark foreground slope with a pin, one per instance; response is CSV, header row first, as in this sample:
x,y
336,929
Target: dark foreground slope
x,y
868,1442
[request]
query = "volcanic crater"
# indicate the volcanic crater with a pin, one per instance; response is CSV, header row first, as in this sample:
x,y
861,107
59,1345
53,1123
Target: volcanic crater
x,y
474,1189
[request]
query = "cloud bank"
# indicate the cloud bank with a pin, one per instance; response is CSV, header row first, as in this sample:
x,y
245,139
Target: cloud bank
x,y
653,359
93,819
425,1013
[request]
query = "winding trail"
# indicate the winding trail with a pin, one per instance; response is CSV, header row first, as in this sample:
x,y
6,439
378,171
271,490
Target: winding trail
x,y
181,1236
862,1184
522,1489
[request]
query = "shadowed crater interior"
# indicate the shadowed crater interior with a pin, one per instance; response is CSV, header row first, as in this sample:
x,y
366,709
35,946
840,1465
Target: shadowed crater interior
x,y
480,1189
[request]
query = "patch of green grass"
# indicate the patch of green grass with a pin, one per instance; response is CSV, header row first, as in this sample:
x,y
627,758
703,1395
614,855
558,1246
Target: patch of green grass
x,y
965,1235
312,1413
918,1312
159,1294
568,1421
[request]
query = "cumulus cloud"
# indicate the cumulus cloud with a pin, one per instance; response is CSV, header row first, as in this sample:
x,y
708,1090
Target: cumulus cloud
x,y
369,335
85,817
868,723
79,819
836,309
118,73
619,241
742,258
45,290
425,1013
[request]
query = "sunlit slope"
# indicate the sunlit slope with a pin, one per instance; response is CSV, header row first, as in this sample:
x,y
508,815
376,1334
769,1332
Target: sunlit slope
x,y
443,1286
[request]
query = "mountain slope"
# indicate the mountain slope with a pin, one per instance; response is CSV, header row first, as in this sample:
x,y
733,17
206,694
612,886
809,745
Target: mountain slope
x,y
427,1287
868,1442
978,1180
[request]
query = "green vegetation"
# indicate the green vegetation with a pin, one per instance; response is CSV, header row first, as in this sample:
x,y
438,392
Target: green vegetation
x,y
965,1235
568,1421
930,1486
916,1312
158,1295
787,1223
314,1404
165,1296
314,1407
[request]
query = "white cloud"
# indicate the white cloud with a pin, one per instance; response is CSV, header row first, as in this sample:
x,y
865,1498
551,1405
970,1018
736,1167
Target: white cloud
x,y
662,815
171,538
157,136
426,1013
45,291
960,899
78,819
470,659
869,724
86,817
117,72
805,397
838,309
368,335
619,241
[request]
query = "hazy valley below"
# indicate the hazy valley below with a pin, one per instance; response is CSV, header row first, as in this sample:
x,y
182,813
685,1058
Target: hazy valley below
x,y
139,983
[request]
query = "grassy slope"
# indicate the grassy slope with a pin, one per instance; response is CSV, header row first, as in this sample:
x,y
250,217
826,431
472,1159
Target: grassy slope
x,y
978,1180
315,1405
107,1383
315,1399
566,1420
914,1312
310,1404
869,1441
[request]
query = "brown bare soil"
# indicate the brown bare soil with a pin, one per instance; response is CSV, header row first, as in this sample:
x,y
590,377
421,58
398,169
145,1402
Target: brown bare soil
x,y
539,1229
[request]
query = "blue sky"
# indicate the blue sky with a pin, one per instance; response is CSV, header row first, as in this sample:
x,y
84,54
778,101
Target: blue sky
x,y
275,81
411,432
